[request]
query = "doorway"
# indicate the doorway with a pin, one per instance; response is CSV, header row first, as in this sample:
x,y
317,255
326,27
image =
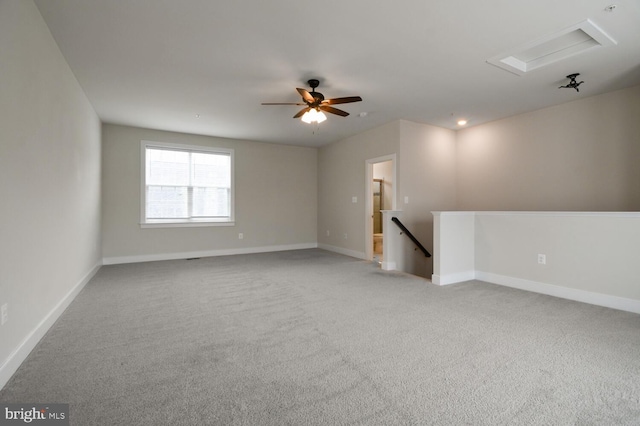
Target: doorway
x,y
381,184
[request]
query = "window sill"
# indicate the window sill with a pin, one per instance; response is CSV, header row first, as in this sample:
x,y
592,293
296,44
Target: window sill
x,y
160,223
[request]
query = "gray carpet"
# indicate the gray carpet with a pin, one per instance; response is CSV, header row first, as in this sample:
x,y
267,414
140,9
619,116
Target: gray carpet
x,y
314,338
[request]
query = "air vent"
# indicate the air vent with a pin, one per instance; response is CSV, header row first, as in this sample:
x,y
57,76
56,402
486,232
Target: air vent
x,y
553,48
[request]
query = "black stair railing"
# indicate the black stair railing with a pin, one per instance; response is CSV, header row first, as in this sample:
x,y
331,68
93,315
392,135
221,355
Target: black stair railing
x,y
410,235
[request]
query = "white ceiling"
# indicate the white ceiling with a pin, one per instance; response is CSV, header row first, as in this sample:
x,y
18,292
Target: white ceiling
x,y
158,63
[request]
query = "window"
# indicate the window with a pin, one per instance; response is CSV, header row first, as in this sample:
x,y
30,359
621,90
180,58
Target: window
x,y
186,185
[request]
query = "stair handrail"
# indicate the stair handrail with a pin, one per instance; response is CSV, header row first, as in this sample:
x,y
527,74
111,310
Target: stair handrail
x,y
410,235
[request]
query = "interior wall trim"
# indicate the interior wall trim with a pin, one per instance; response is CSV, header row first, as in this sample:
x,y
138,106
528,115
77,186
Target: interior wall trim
x,y
606,300
453,278
20,354
347,252
592,298
204,253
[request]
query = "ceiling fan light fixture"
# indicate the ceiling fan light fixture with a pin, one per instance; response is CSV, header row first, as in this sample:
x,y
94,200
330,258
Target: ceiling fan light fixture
x,y
309,116
313,116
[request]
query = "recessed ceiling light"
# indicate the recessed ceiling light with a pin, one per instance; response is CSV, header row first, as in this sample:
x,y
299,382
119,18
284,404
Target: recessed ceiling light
x,y
462,122
197,115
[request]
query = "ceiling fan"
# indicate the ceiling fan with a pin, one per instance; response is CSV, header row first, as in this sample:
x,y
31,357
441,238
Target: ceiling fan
x,y
316,103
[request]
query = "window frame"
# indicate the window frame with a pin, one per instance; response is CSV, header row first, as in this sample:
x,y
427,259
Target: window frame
x,y
188,222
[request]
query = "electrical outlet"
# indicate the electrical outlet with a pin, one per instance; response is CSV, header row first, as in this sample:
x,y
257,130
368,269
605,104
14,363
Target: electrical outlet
x,y
542,259
406,199
240,236
4,314
345,235
354,199
328,233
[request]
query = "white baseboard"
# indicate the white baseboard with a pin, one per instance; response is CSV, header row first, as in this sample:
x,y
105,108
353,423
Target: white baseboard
x,y
346,252
17,357
458,277
606,300
388,266
204,253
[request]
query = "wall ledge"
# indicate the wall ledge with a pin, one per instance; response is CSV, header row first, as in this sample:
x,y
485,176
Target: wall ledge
x,y
559,213
538,213
453,213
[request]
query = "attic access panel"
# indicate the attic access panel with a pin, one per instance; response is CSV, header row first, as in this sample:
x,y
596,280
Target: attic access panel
x,y
553,48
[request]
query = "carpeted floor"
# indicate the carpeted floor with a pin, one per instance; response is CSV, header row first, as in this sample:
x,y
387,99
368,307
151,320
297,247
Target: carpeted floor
x,y
314,338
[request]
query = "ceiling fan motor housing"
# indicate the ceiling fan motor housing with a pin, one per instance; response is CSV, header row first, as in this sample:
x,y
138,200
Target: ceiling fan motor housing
x,y
319,97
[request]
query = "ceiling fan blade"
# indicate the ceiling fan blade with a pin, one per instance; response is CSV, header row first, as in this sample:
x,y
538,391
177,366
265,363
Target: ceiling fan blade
x,y
306,95
333,110
281,103
345,100
301,112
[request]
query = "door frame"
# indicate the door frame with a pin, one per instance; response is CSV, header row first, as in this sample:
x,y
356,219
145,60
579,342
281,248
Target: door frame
x,y
368,199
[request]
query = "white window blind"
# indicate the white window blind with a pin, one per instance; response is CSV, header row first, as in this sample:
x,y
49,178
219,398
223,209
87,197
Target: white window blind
x,y
184,185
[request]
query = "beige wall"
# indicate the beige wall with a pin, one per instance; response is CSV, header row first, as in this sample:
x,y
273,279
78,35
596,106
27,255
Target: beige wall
x,y
341,176
588,256
275,199
595,252
49,182
582,155
579,156
426,174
